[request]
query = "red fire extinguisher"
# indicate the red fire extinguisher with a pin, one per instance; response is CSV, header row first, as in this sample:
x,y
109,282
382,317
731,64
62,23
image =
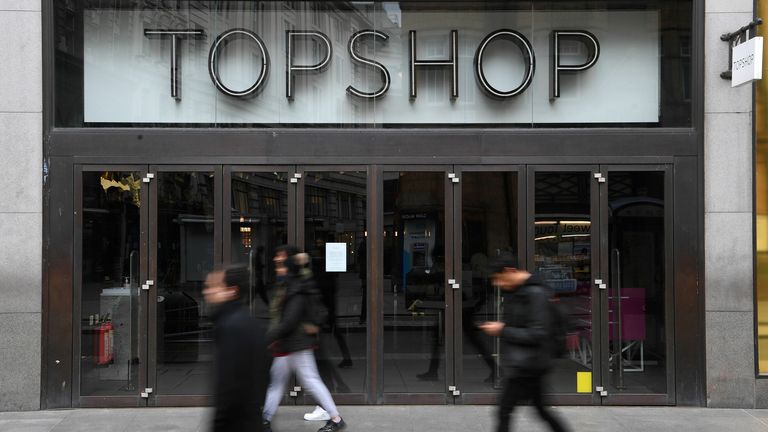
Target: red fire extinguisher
x,y
104,345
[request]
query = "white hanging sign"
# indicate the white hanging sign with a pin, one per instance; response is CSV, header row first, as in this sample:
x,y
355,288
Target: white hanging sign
x,y
747,62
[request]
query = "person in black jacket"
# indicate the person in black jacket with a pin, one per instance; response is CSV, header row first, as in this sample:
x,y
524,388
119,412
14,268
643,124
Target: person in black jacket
x,y
525,334
241,362
292,340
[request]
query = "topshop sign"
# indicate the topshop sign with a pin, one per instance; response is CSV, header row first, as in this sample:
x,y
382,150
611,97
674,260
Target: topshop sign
x,y
600,67
414,63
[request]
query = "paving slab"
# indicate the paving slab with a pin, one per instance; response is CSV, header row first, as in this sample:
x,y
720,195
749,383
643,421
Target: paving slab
x,y
401,418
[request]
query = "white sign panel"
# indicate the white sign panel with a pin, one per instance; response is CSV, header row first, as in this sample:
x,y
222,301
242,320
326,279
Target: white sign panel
x,y
335,257
747,62
401,67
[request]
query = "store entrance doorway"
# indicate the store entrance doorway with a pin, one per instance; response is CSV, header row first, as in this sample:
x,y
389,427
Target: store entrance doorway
x,y
401,255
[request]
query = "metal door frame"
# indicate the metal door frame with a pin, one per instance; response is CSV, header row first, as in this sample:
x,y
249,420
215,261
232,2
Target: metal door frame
x,y
467,398
416,398
344,398
591,169
667,398
156,399
83,401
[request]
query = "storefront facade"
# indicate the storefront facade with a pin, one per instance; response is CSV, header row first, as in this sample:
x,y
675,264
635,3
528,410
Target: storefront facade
x,y
403,145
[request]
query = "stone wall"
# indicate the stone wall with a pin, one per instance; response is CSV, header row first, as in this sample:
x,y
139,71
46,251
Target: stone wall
x,y
21,161
728,169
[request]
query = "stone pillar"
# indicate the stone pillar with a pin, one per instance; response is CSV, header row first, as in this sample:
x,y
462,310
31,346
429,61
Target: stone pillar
x,y
21,144
728,226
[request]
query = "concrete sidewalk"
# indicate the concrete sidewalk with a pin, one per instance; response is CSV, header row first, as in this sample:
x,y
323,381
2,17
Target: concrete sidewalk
x,y
397,418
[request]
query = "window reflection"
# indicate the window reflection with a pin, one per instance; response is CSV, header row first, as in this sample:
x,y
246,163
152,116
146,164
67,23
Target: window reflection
x,y
96,44
109,316
414,279
563,258
335,216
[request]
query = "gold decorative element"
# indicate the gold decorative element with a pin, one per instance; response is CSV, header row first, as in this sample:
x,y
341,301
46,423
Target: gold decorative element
x,y
128,183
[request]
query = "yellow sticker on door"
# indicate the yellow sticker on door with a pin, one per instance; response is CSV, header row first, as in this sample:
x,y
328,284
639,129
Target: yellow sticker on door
x,y
583,382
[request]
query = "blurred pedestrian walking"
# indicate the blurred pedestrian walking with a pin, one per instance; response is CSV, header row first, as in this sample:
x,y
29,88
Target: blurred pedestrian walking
x,y
240,357
292,338
526,338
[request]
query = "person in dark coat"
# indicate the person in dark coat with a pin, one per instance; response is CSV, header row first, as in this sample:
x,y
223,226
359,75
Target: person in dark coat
x,y
241,360
525,333
293,339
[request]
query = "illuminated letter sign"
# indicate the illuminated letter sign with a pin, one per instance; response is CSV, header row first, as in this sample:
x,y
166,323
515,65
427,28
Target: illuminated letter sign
x,y
452,62
175,35
356,57
290,67
593,48
213,61
528,54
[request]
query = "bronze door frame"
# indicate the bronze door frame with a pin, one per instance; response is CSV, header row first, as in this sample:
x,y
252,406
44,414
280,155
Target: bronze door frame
x,y
78,400
343,398
418,398
156,399
667,398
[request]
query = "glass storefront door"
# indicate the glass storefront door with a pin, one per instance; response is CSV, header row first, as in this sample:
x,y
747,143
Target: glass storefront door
x,y
185,244
600,236
491,219
416,311
564,249
636,267
110,306
401,256
332,226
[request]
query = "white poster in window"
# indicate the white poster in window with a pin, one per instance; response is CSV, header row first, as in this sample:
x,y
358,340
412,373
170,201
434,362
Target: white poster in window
x,y
335,257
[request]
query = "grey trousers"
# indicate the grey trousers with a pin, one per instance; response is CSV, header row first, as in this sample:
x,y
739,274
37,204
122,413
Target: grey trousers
x,y
303,364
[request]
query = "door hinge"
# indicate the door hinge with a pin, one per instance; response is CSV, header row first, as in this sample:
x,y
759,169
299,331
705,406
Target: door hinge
x,y
454,390
600,284
599,177
453,177
453,284
147,391
148,284
295,178
149,177
603,392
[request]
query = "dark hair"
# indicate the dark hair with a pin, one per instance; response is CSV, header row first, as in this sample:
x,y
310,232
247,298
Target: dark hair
x,y
290,258
238,276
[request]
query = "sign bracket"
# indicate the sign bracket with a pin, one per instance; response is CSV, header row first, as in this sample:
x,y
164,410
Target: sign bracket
x,y
734,39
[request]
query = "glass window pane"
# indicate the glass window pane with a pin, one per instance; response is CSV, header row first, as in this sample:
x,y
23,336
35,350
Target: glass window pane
x,y
488,226
109,308
414,278
258,225
109,72
335,214
563,258
637,286
185,218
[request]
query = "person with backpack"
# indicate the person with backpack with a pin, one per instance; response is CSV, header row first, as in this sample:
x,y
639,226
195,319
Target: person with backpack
x,y
292,339
526,332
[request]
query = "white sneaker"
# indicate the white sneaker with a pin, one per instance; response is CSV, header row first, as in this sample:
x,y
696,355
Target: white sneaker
x,y
317,415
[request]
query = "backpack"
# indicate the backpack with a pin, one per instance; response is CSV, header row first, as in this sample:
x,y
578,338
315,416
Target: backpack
x,y
559,328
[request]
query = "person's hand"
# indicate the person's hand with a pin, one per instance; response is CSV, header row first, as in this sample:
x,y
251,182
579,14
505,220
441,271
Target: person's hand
x,y
492,328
